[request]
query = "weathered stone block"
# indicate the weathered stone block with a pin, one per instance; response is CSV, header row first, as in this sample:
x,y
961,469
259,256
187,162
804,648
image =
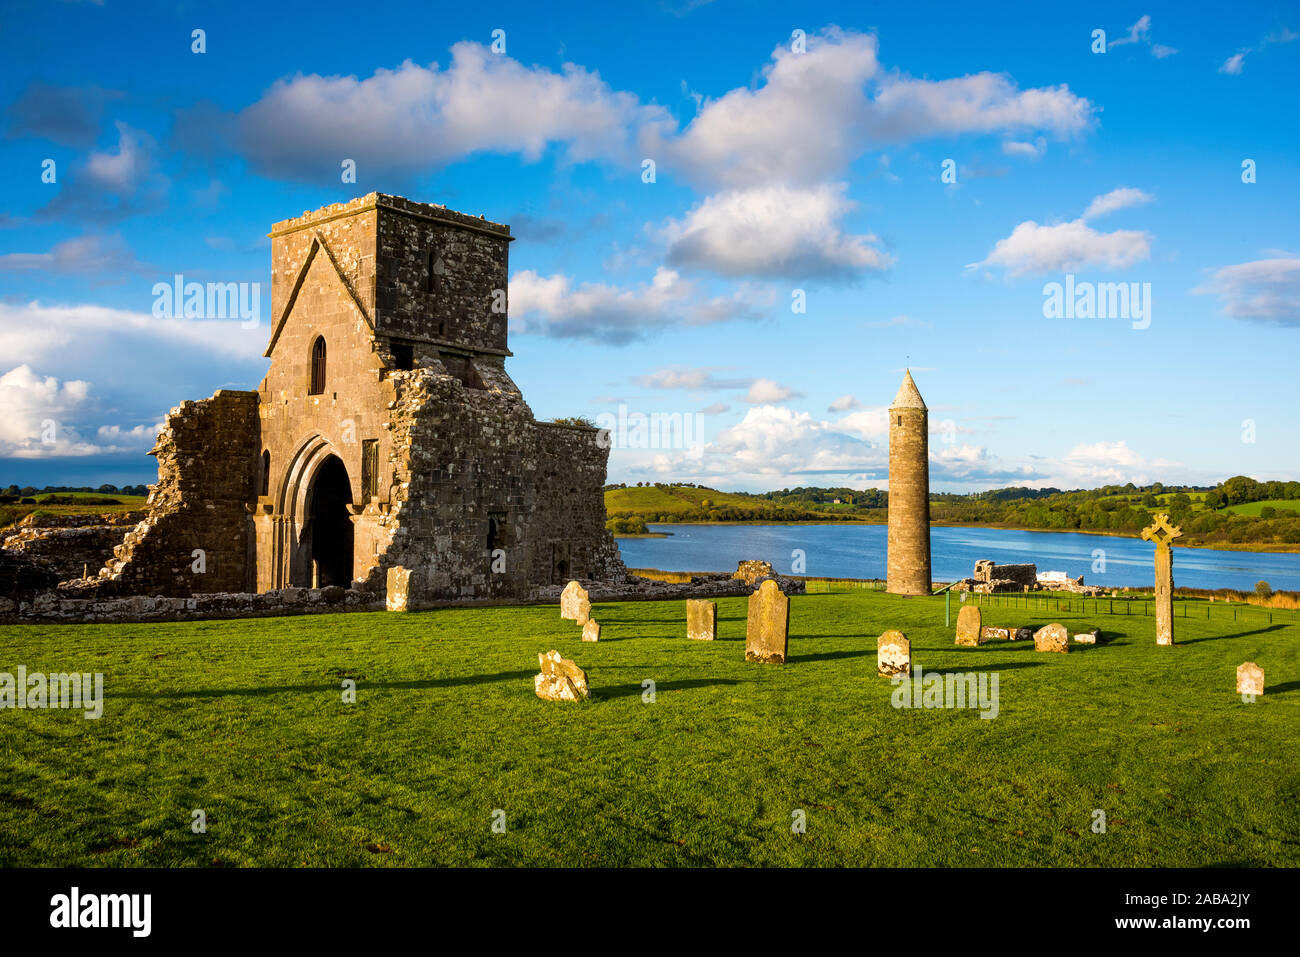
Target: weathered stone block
x,y
591,630
752,572
989,633
701,619
560,679
893,654
767,625
1053,637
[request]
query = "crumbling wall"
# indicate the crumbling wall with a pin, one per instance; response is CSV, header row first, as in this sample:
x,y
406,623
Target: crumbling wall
x,y
69,545
484,498
207,470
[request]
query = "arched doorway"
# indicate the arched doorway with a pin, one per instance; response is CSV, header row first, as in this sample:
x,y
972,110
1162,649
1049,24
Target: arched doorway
x,y
329,524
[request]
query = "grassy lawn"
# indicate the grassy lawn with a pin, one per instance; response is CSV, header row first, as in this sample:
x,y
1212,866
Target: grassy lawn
x,y
1253,508
245,720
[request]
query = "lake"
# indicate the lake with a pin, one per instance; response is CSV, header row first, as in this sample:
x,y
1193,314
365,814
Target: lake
x,y
858,551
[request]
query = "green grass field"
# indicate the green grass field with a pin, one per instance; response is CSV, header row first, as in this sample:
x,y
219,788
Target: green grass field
x,y
1253,508
672,501
245,720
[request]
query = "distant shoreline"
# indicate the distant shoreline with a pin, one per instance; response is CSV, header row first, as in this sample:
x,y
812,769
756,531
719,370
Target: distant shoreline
x,y
1285,548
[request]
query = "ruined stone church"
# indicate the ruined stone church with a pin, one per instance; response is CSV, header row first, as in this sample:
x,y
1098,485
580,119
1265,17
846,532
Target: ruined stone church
x,y
386,434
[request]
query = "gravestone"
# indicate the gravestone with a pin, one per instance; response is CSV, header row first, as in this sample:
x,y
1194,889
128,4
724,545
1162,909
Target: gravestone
x,y
560,679
893,655
701,619
1022,634
1087,637
1250,679
399,589
1053,637
968,626
574,603
1163,534
989,633
591,630
767,626
751,571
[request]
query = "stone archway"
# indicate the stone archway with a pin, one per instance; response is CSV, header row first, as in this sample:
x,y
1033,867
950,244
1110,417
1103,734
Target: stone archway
x,y
328,528
303,526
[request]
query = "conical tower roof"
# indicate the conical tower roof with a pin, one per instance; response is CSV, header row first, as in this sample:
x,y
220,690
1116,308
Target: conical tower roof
x,y
909,397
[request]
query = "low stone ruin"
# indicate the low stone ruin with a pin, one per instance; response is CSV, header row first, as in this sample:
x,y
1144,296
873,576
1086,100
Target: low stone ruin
x,y
753,572
70,546
991,578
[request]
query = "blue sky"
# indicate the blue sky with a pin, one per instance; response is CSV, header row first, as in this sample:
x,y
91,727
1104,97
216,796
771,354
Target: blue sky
x,y
783,170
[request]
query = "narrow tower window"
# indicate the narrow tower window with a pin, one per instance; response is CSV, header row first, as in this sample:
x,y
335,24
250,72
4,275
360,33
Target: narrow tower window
x,y
317,366
266,473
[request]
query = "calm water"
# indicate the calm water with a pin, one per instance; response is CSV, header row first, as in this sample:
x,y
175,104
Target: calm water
x,y
858,551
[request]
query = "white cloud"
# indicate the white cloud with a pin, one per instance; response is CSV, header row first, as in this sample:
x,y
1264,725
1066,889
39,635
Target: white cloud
x,y
599,312
1116,199
695,380
845,403
1035,248
764,391
1266,290
79,255
1105,463
33,332
1233,65
804,124
40,419
414,118
1032,150
771,232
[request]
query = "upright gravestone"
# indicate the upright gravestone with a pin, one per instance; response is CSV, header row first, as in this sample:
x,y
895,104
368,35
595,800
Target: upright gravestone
x,y
398,592
968,626
591,630
1250,679
574,603
1163,534
893,655
767,626
701,619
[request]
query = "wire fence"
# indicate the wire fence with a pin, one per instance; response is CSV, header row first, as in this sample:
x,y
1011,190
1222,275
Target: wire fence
x,y
1183,608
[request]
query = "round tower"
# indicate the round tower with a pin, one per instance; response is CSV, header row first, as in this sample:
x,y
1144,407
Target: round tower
x,y
909,492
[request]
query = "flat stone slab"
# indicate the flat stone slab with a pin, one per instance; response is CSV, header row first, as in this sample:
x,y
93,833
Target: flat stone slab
x,y
1053,637
989,633
560,679
701,619
1088,637
893,655
767,626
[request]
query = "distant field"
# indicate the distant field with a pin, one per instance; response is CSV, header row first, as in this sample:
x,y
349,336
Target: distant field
x,y
672,501
245,720
1253,508
129,503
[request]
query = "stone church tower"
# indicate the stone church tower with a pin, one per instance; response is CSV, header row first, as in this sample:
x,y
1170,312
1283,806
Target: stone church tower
x,y
386,444
909,492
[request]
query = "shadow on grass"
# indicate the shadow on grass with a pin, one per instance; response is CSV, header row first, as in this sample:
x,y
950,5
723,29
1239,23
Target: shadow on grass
x,y
317,688
629,690
1282,688
1240,634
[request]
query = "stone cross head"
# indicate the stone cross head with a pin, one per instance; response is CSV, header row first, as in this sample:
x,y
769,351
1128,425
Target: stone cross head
x,y
1161,532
